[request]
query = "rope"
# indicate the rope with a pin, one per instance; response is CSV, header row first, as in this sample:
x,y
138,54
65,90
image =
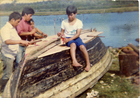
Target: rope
x,y
123,48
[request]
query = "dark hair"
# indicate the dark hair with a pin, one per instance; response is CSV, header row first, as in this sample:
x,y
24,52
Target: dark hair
x,y
71,9
15,15
27,10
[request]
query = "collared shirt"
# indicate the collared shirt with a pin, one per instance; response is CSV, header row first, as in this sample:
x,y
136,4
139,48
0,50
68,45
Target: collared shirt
x,y
23,26
71,30
9,32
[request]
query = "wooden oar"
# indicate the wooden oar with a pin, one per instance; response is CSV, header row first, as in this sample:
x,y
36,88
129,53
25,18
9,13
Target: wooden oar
x,y
94,36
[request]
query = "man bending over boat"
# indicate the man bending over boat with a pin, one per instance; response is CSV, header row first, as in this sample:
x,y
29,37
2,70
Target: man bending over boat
x,y
24,28
71,28
10,47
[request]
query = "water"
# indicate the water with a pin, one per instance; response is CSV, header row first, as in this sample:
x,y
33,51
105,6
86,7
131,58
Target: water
x,y
119,29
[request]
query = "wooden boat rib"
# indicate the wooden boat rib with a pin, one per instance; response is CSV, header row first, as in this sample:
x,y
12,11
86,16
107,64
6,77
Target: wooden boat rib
x,y
47,71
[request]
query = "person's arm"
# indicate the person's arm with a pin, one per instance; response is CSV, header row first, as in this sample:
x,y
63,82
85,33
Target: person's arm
x,y
45,35
28,33
60,34
13,42
74,37
38,36
5,36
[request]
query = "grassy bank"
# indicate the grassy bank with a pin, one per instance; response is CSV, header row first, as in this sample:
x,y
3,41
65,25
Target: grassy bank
x,y
109,10
114,85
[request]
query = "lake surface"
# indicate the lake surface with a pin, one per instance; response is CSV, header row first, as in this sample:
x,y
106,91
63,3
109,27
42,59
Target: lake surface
x,y
119,29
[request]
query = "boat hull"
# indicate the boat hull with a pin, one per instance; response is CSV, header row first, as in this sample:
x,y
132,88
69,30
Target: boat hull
x,y
53,75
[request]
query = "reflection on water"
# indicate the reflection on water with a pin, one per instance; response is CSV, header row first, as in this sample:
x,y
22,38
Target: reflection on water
x,y
119,28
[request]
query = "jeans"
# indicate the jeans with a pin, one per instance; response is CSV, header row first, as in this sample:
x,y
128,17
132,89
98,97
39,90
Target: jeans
x,y
20,54
8,63
7,66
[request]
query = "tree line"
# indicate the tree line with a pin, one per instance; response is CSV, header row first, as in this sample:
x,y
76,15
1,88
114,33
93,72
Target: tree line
x,y
60,5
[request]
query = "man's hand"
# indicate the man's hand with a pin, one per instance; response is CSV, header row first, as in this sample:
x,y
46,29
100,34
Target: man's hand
x,y
59,34
24,43
38,36
45,35
66,40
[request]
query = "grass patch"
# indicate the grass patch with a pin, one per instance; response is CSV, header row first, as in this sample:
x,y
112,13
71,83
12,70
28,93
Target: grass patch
x,y
118,88
114,85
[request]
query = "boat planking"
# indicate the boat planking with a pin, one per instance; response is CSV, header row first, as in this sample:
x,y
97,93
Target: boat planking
x,y
47,71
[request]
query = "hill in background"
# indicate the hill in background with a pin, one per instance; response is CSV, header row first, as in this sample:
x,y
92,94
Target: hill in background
x,y
59,6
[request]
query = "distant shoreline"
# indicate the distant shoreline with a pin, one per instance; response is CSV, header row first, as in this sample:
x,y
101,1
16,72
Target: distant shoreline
x,y
109,10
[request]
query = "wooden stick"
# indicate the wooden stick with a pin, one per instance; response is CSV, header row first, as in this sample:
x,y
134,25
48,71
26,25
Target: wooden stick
x,y
42,46
134,47
94,36
85,31
32,42
41,34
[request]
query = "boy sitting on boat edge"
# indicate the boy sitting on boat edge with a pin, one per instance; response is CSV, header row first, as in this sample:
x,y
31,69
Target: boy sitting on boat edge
x,y
71,28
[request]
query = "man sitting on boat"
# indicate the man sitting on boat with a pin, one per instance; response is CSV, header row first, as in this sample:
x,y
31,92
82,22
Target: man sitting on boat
x,y
71,28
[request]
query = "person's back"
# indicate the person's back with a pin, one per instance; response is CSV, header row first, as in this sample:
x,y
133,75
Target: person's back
x,y
71,28
12,49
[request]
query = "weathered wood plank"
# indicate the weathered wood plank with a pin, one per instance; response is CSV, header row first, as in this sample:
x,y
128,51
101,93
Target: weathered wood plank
x,y
40,49
134,47
79,81
40,62
60,47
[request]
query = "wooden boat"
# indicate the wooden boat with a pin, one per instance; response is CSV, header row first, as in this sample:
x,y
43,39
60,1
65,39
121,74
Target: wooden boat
x,y
46,71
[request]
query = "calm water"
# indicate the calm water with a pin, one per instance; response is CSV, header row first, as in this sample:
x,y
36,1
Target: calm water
x,y
119,29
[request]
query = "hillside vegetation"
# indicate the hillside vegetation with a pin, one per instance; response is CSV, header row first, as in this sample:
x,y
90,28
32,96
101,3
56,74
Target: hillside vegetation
x,y
59,6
